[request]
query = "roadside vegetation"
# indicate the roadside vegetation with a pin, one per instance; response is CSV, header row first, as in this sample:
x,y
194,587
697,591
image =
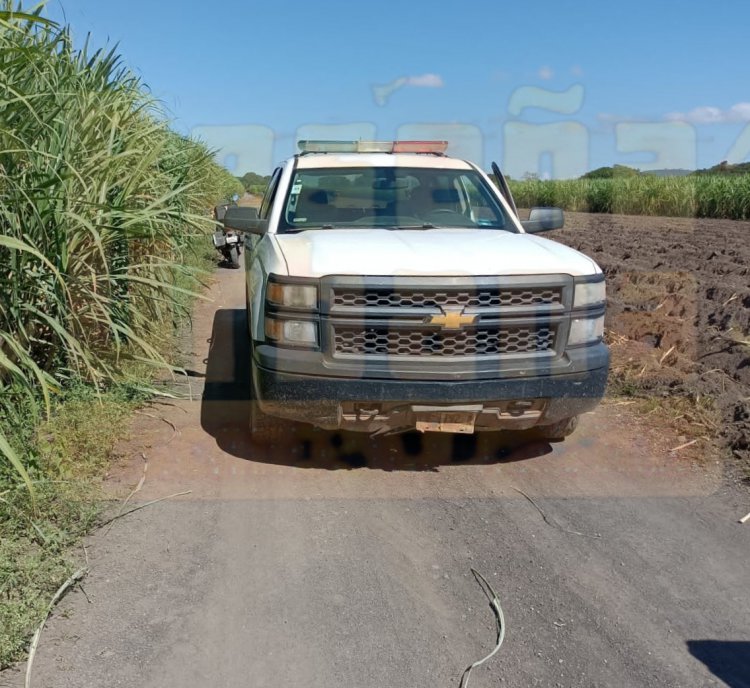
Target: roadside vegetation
x,y
103,244
254,183
714,193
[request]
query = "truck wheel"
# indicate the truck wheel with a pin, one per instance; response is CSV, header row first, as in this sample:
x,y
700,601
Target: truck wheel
x,y
557,432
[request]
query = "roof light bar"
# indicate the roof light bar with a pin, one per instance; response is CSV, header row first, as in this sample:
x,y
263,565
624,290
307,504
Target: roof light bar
x,y
310,146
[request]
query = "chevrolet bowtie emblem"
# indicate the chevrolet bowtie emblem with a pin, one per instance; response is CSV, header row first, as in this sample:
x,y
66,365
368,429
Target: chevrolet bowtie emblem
x,y
451,320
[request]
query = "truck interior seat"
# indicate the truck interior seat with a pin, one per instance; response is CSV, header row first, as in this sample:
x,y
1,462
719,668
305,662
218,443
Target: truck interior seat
x,y
313,205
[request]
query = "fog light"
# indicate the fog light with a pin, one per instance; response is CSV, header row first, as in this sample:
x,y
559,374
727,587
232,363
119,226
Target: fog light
x,y
294,332
586,330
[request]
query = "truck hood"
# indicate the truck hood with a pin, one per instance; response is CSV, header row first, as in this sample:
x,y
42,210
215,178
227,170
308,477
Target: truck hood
x,y
437,252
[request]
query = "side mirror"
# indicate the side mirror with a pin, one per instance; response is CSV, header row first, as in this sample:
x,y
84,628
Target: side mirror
x,y
543,220
240,219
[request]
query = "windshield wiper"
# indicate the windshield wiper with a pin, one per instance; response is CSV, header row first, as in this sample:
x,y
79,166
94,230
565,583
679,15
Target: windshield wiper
x,y
296,230
426,225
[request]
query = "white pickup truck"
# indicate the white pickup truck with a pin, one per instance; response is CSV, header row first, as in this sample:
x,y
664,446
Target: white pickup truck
x,y
390,288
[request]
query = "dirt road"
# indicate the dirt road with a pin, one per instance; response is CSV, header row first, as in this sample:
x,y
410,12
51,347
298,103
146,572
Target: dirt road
x,y
333,562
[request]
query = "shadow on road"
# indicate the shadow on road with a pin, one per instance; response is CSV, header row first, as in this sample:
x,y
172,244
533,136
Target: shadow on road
x,y
225,410
728,660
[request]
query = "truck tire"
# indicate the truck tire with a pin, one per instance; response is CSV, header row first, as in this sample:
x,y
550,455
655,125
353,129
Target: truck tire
x,y
234,257
557,432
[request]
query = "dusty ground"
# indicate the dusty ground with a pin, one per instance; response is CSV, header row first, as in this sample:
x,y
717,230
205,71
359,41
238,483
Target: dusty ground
x,y
679,301
326,561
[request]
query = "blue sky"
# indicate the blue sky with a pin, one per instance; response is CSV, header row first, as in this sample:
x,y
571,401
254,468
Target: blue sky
x,y
547,87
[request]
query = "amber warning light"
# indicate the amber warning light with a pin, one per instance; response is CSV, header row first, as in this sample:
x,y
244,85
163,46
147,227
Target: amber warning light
x,y
434,147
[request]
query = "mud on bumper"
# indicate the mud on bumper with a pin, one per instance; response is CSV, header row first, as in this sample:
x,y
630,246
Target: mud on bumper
x,y
364,404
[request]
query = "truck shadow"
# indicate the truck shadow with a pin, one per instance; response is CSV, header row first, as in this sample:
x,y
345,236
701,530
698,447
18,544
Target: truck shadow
x,y
727,660
225,411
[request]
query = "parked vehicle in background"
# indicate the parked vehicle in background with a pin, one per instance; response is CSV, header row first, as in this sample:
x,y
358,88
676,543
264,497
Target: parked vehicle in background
x,y
226,242
391,288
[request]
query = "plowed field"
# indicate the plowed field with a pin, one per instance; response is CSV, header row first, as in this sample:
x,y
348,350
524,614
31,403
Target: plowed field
x,y
679,311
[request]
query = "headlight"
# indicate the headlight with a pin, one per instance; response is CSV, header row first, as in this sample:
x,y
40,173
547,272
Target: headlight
x,y
585,330
292,332
589,294
293,295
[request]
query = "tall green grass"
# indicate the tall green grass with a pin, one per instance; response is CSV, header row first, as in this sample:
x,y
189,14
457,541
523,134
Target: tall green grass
x,y
705,196
103,213
99,200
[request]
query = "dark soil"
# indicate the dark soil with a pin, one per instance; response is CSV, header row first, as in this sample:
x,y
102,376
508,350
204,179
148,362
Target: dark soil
x,y
679,298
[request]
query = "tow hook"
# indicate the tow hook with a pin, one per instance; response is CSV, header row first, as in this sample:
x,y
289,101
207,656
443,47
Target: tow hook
x,y
518,408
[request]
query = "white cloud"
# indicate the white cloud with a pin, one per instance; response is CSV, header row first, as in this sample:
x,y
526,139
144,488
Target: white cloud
x,y
425,81
712,115
382,92
576,70
545,73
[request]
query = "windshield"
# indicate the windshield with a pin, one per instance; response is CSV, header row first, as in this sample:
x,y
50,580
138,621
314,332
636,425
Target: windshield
x,y
391,198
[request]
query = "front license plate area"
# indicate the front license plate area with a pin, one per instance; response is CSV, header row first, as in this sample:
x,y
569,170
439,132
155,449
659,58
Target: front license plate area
x,y
432,419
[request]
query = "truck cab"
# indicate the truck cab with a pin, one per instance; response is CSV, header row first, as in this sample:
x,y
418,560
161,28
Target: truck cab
x,y
391,287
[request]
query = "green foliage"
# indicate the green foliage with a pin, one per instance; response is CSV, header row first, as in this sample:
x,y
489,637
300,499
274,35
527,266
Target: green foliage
x,y
254,183
611,172
104,230
35,545
63,457
723,191
710,196
230,185
99,201
726,168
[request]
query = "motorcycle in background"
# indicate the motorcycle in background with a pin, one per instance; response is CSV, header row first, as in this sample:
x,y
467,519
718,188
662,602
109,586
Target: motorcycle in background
x,y
227,243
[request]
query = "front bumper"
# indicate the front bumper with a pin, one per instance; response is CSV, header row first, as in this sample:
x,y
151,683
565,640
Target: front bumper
x,y
367,404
